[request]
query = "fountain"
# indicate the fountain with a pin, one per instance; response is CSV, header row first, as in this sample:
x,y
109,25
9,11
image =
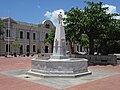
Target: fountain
x,y
59,64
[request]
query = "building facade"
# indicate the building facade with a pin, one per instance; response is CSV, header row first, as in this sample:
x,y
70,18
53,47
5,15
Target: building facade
x,y
29,36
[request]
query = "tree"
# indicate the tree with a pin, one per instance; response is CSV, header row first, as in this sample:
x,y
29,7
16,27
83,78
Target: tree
x,y
50,38
96,20
16,44
84,41
73,26
93,21
1,25
110,37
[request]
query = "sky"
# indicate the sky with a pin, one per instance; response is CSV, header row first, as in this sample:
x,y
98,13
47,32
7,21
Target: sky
x,y
35,11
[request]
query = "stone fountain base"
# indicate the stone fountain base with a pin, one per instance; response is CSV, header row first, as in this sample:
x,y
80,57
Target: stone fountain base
x,y
59,68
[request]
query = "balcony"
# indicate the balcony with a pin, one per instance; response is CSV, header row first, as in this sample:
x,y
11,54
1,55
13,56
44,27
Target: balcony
x,y
10,39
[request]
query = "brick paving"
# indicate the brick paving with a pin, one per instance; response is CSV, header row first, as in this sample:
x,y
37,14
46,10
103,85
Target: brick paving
x,y
14,63
108,67
109,83
12,83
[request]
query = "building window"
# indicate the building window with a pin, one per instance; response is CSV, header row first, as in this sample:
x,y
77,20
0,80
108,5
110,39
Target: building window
x,y
34,36
28,48
46,36
28,35
7,48
21,34
7,33
46,49
34,48
47,26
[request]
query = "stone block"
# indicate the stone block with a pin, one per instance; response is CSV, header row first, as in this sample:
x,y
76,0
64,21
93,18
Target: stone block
x,y
102,59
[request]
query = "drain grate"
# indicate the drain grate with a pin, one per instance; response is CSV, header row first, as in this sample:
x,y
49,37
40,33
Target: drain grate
x,y
26,77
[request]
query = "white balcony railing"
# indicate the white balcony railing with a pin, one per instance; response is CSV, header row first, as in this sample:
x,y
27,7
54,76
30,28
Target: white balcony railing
x,y
9,38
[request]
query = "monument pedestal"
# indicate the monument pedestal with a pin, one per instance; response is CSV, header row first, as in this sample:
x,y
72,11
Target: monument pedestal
x,y
59,64
59,68
58,57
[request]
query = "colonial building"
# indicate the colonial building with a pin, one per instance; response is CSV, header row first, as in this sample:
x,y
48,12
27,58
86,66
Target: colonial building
x,y
30,37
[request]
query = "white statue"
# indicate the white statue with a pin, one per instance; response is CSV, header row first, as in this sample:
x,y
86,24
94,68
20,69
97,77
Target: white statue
x,y
60,18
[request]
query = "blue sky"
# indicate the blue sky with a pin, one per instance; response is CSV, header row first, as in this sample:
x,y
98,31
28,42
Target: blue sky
x,y
35,11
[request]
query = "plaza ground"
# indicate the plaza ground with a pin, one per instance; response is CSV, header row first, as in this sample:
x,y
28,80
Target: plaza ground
x,y
13,77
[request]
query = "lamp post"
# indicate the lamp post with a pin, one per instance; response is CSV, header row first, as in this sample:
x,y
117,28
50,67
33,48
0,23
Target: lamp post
x,y
8,35
30,38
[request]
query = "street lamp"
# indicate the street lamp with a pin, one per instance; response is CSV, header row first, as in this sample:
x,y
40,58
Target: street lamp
x,y
8,35
30,37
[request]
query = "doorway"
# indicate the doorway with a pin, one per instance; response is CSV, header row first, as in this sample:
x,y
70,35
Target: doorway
x,y
46,49
21,49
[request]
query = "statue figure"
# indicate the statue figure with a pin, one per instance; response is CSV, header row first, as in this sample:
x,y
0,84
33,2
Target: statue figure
x,y
60,18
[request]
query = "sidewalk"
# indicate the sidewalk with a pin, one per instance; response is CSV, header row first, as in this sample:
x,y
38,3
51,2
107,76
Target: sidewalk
x,y
12,69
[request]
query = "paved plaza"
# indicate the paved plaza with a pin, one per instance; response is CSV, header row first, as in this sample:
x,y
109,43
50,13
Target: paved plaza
x,y
13,76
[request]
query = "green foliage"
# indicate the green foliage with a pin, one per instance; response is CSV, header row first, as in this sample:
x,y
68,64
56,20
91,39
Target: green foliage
x,y
50,38
114,46
73,26
16,44
114,30
84,41
73,21
1,25
92,21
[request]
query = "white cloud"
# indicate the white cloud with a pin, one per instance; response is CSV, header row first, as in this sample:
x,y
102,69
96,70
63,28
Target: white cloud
x,y
53,15
116,17
111,9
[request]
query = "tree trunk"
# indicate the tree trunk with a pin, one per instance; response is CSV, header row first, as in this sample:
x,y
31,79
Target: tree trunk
x,y
105,51
91,45
80,48
71,47
15,54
